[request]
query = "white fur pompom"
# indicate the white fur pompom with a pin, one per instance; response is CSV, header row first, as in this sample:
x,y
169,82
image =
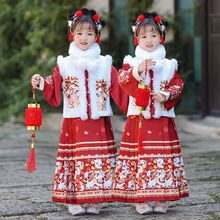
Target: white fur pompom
x,y
69,23
163,27
99,27
133,28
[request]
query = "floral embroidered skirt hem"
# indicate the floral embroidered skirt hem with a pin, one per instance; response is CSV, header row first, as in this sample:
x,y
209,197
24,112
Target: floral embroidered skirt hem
x,y
153,171
86,161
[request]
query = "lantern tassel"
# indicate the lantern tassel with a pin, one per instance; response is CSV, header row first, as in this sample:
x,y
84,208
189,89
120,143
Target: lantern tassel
x,y
31,165
140,134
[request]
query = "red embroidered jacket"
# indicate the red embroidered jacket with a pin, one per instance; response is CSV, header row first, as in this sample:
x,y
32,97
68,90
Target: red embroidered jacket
x,y
130,84
53,87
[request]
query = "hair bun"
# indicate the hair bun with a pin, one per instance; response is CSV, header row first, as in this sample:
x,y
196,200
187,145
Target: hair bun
x,y
102,22
92,12
70,16
160,22
153,14
85,11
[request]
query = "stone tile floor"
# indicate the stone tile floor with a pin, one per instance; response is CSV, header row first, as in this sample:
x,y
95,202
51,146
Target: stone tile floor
x,y
25,195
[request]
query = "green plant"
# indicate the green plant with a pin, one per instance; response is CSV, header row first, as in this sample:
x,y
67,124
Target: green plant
x,y
32,34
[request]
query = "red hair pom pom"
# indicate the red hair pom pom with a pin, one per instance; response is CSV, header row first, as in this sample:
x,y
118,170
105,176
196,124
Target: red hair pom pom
x,y
95,17
157,19
140,18
78,13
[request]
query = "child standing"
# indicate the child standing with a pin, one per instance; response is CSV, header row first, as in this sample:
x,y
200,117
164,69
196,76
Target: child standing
x,y
87,152
152,170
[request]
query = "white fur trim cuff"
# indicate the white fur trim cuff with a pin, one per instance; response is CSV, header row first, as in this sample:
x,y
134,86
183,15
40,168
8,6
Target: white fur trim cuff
x,y
41,87
167,94
135,73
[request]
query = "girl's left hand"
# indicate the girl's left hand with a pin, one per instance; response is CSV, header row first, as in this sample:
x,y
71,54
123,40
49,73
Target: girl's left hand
x,y
159,97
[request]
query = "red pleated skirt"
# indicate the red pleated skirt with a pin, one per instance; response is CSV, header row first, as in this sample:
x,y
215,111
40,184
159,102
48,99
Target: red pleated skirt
x,y
153,170
86,161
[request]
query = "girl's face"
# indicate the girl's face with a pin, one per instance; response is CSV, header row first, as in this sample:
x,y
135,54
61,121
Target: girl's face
x,y
84,36
149,38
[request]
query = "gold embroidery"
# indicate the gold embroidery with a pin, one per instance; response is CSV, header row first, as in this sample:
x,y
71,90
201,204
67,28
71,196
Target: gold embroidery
x,y
71,91
102,94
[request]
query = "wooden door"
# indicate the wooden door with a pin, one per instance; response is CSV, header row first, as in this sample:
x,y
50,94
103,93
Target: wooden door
x,y
213,57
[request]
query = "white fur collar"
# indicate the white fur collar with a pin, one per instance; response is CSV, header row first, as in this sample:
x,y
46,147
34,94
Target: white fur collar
x,y
159,53
93,52
85,59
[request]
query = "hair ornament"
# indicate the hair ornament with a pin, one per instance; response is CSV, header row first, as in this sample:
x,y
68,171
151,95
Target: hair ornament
x,y
135,41
95,17
140,18
157,19
162,24
162,40
78,13
73,17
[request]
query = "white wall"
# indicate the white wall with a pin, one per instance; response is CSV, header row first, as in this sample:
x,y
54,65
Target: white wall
x,y
164,8
101,7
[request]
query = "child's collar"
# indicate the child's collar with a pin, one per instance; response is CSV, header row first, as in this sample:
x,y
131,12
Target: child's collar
x,y
93,52
159,53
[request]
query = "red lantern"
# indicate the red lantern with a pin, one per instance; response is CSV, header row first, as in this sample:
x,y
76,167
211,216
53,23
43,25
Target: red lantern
x,y
33,121
142,96
142,101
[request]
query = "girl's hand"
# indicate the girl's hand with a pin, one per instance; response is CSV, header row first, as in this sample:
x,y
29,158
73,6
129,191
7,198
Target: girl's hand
x,y
35,81
159,97
142,65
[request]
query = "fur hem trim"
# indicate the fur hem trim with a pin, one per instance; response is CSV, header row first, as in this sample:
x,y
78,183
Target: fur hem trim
x,y
98,69
128,59
60,63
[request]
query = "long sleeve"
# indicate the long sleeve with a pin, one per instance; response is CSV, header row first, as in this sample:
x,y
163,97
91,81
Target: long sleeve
x,y
53,87
175,89
127,81
120,97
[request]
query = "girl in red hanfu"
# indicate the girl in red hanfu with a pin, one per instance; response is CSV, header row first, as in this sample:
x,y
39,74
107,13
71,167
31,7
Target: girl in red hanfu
x,y
150,169
87,152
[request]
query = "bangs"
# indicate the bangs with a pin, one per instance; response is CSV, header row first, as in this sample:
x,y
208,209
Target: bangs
x,y
82,21
148,28
148,25
83,24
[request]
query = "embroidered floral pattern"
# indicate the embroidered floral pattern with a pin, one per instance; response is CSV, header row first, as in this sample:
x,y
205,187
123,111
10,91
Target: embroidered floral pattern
x,y
164,85
175,91
175,87
84,175
102,94
49,79
150,173
126,66
71,91
124,74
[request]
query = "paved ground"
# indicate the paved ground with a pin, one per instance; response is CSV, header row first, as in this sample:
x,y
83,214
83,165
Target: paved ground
x,y
26,195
